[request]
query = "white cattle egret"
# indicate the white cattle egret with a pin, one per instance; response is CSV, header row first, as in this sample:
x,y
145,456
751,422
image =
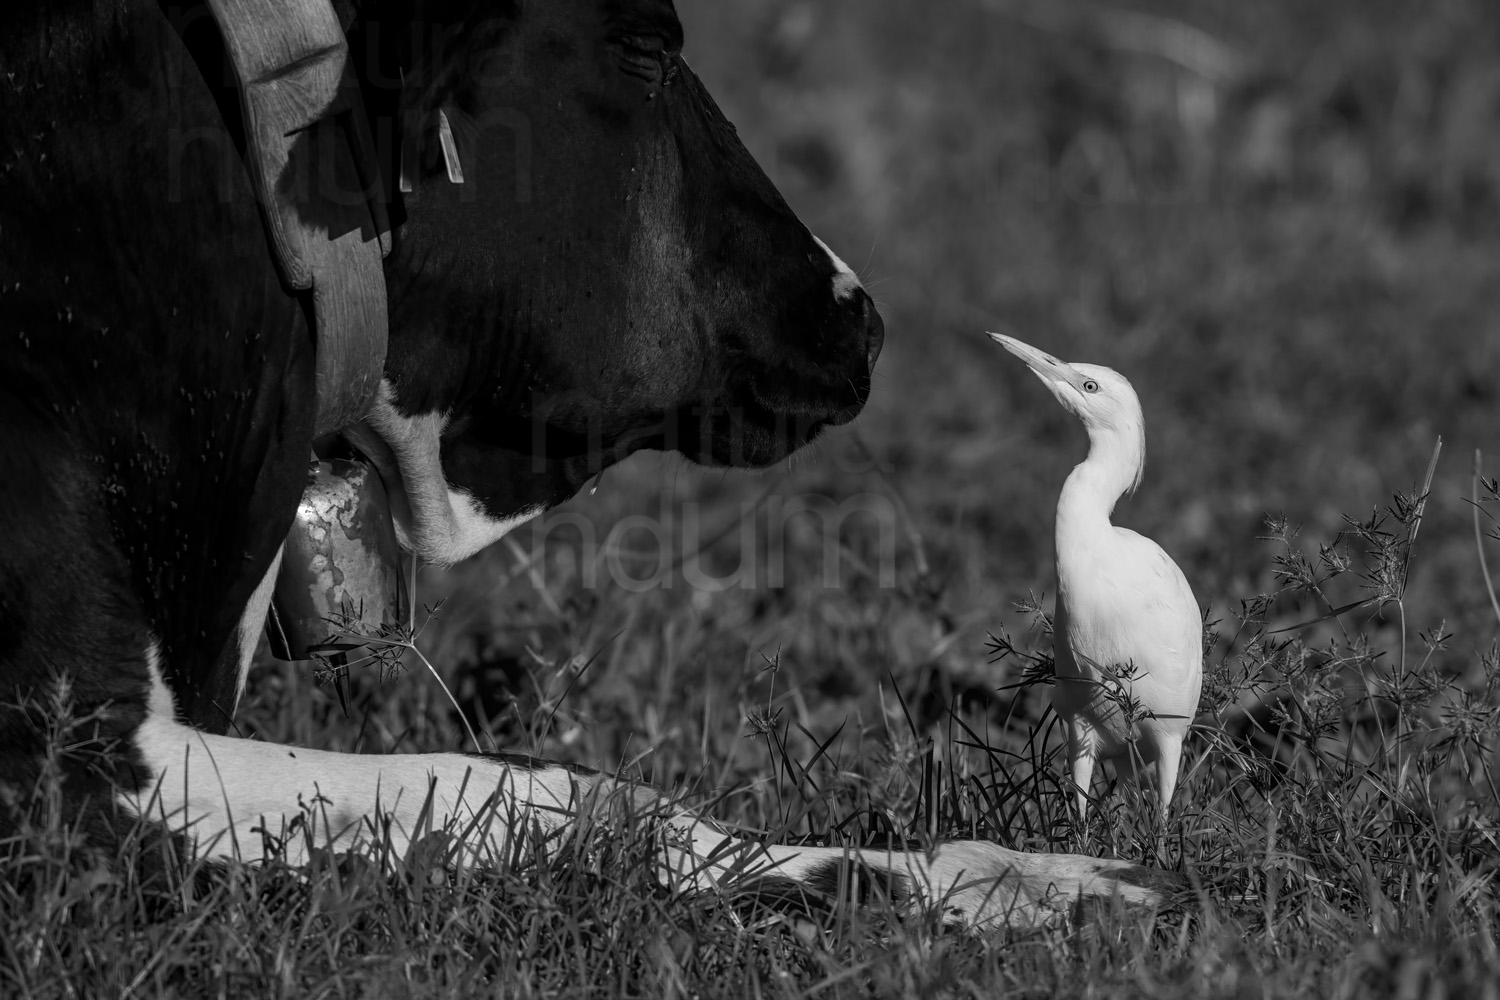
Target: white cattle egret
x,y
1127,630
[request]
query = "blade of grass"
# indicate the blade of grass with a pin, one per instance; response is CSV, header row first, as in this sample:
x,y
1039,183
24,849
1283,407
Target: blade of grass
x,y
1484,566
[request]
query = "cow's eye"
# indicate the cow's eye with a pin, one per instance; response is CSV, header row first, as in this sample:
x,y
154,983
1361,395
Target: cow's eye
x,y
644,43
643,56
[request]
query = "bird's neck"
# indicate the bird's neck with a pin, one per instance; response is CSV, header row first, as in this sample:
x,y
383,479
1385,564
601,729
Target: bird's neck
x,y
1088,497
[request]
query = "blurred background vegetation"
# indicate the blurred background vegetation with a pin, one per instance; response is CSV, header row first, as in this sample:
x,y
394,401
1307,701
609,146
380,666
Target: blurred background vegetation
x,y
1278,219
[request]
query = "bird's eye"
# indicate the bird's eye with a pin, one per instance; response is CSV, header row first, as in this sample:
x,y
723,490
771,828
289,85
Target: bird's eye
x,y
1091,386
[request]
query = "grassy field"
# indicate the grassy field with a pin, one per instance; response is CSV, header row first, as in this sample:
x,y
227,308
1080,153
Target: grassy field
x,y
1279,221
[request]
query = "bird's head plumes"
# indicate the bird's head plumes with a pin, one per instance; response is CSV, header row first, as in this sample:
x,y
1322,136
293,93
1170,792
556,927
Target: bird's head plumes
x,y
1101,397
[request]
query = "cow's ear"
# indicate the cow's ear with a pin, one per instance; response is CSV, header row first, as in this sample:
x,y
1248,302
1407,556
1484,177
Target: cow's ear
x,y
448,46
380,39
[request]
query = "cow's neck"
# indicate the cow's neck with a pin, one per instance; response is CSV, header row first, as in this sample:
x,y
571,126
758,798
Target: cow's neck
x,y
435,521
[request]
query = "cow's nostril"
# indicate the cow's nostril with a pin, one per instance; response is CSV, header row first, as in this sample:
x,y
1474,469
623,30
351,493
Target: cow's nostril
x,y
875,327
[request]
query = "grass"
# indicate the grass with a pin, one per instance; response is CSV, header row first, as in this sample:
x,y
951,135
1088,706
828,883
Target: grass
x,y
1301,327
1337,815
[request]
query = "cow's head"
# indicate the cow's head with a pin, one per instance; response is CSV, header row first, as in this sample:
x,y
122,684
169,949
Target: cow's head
x,y
614,273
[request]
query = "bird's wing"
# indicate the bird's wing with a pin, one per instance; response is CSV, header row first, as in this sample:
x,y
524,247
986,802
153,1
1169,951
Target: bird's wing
x,y
1129,602
1168,601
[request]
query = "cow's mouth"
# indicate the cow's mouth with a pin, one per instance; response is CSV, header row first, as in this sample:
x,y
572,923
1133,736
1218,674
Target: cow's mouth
x,y
776,411
769,410
756,428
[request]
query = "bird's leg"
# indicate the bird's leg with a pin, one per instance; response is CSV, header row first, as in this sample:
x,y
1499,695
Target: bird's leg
x,y
1081,759
1169,756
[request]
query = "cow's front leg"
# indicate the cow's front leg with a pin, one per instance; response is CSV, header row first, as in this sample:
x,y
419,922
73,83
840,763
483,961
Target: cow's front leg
x,y
244,799
238,799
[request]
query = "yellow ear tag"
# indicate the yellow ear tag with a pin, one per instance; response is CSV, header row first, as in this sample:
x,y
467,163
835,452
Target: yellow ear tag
x,y
450,149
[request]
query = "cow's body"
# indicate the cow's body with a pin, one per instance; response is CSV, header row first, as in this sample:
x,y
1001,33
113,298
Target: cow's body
x,y
614,274
155,379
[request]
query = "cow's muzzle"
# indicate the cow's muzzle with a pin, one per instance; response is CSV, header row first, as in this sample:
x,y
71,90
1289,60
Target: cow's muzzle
x,y
831,391
874,331
773,409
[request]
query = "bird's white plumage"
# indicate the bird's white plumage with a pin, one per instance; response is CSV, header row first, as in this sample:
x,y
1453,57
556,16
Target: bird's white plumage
x,y
1126,620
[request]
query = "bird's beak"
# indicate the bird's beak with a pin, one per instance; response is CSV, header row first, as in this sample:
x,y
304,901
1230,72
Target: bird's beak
x,y
1046,367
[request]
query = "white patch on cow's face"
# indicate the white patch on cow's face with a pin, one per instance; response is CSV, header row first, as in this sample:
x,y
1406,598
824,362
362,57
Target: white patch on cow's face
x,y
435,522
845,281
253,623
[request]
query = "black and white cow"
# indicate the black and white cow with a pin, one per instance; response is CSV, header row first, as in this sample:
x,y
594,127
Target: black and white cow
x,y
616,273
